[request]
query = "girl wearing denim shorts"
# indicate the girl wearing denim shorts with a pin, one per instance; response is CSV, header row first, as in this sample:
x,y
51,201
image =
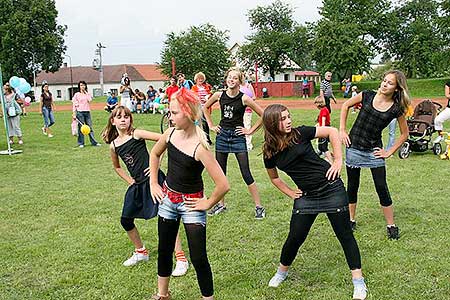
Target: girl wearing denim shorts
x,y
319,188
231,134
181,197
364,145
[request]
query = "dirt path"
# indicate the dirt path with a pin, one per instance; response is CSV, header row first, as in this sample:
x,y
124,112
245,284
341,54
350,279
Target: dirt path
x,y
291,103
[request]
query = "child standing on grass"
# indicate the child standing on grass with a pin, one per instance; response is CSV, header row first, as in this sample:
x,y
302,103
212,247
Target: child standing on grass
x,y
129,144
231,134
318,189
364,144
181,197
323,119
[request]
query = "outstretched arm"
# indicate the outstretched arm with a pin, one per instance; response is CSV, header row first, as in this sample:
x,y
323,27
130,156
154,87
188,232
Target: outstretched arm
x,y
332,134
147,135
207,111
281,185
155,155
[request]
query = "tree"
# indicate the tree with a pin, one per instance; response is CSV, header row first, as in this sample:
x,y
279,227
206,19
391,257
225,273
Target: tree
x,y
413,37
444,26
276,39
346,37
200,48
28,28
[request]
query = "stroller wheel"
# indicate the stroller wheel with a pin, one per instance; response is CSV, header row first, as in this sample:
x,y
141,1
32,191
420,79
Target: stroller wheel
x,y
437,148
403,152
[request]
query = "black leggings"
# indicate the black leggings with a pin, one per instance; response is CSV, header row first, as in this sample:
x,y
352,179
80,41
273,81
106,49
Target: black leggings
x,y
196,236
379,179
127,223
299,229
242,158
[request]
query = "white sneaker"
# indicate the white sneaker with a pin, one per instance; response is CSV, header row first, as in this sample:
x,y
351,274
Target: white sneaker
x,y
43,131
50,135
136,258
276,280
180,268
359,292
20,142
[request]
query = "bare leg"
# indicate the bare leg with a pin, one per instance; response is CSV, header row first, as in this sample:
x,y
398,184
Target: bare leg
x,y
253,189
357,273
178,246
133,234
163,285
352,210
388,212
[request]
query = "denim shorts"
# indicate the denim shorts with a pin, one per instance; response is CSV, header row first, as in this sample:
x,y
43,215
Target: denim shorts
x,y
173,211
228,141
355,158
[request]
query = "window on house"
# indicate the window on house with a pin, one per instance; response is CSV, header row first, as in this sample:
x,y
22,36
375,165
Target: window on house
x,y
286,77
58,93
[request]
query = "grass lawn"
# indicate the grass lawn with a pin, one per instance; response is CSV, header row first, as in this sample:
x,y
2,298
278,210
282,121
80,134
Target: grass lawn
x,y
60,235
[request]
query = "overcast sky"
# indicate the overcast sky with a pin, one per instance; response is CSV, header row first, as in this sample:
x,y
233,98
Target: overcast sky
x,y
134,30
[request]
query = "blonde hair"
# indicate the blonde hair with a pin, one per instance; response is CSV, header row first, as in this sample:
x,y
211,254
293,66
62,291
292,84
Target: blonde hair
x,y
198,75
190,105
401,95
240,74
319,101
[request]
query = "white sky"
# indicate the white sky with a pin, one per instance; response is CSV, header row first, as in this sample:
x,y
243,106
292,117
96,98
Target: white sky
x,y
134,30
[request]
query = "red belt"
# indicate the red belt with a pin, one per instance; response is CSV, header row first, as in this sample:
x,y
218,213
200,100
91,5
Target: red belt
x,y
176,197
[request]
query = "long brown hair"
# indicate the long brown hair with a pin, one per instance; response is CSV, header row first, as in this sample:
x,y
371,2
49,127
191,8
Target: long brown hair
x,y
275,140
110,133
401,95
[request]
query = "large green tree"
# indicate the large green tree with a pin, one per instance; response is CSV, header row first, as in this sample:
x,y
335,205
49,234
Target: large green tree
x,y
346,37
28,29
200,48
413,37
276,38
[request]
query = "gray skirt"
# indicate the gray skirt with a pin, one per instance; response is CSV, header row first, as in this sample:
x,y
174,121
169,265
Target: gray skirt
x,y
14,126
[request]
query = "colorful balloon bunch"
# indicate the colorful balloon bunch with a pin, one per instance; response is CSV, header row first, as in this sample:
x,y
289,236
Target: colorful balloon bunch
x,y
20,86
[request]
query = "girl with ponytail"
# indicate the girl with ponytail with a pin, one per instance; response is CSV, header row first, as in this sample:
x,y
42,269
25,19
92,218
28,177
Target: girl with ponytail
x,y
181,195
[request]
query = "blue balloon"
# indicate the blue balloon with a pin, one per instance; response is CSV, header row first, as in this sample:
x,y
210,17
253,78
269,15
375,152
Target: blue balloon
x,y
264,90
14,82
22,81
25,87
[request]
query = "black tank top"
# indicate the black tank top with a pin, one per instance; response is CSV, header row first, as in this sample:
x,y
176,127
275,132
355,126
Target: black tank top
x,y
232,111
135,156
184,173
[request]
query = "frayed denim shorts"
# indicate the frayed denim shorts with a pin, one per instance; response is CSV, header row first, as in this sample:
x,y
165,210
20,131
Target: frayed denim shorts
x,y
173,211
355,158
228,141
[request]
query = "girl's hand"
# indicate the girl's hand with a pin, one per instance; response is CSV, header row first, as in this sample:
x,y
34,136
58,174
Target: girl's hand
x,y
131,182
197,204
335,170
294,194
242,130
216,129
380,153
157,193
345,139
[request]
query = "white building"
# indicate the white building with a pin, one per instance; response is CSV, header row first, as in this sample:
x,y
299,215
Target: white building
x,y
62,81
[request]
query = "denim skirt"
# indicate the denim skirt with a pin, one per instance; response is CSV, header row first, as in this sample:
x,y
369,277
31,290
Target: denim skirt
x,y
355,158
228,141
329,198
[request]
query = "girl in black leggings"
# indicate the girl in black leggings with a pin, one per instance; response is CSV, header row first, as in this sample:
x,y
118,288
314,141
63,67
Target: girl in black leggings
x,y
319,188
364,145
181,196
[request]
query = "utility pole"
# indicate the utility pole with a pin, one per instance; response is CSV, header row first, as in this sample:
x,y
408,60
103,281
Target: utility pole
x,y
71,76
98,52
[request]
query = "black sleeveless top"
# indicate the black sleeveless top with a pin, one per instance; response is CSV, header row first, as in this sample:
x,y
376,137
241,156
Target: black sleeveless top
x,y
184,173
135,156
232,111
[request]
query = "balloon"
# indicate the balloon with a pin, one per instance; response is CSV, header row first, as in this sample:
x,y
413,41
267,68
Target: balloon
x,y
25,87
161,106
27,99
264,90
14,82
85,129
22,81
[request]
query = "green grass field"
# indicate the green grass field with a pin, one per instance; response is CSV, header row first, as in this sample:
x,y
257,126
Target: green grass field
x,y
60,235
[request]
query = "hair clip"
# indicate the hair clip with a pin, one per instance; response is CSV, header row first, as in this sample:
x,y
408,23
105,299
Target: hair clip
x,y
196,123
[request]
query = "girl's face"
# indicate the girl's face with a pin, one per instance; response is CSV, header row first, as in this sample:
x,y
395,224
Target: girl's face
x,y
200,80
233,80
177,116
122,121
285,122
82,87
46,88
388,85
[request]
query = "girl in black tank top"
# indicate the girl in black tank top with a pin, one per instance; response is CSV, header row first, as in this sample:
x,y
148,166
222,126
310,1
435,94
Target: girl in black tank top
x,y
231,134
181,197
129,144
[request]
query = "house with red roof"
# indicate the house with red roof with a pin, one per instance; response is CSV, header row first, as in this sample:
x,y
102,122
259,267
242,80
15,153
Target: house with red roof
x,y
63,83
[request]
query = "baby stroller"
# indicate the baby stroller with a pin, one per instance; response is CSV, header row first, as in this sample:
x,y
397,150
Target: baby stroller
x,y
421,128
